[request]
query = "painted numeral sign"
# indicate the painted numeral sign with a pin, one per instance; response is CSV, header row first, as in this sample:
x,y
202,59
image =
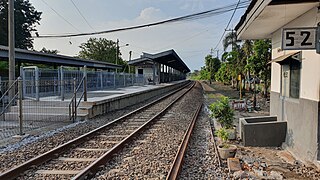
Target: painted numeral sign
x,y
298,38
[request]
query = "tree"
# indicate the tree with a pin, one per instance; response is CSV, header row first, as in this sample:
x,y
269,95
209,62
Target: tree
x,y
26,19
212,66
261,58
223,74
259,62
101,50
48,51
247,48
231,40
234,65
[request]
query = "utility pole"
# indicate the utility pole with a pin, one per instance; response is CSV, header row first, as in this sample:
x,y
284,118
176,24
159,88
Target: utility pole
x,y
212,51
130,54
11,40
117,54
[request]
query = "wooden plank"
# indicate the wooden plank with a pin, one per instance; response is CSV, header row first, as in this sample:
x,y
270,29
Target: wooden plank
x,y
63,172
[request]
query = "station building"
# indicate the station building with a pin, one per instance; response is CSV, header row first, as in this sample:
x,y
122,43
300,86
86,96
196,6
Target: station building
x,y
295,76
159,68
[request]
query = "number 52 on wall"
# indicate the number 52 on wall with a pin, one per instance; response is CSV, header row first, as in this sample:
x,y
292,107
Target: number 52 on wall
x,y
299,38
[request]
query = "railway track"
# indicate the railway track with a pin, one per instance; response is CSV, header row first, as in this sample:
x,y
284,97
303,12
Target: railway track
x,y
157,153
82,157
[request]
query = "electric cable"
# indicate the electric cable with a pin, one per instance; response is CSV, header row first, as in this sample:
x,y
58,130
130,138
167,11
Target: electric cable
x,y
60,17
82,15
224,32
194,16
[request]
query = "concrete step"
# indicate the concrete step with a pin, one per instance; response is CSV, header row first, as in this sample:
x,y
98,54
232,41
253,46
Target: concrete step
x,y
47,109
53,103
42,116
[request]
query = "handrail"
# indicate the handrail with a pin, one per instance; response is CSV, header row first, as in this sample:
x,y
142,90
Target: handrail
x,y
73,105
8,89
4,108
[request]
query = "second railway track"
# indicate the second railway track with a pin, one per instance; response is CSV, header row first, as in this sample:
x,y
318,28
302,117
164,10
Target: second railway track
x,y
84,155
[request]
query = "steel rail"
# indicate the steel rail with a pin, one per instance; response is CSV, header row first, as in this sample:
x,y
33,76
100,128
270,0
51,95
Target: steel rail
x,y
215,146
212,130
178,161
54,153
96,165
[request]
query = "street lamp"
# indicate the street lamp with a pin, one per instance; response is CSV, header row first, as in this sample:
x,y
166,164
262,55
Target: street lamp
x,y
117,53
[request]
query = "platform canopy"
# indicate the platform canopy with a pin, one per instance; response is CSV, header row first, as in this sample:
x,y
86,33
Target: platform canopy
x,y
27,56
169,58
258,22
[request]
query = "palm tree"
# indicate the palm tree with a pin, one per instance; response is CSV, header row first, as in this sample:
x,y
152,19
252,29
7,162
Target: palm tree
x,y
247,48
231,39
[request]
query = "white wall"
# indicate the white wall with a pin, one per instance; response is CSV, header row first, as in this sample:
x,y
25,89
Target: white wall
x,y
310,73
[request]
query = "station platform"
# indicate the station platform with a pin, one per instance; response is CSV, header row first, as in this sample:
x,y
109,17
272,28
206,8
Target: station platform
x,y
51,111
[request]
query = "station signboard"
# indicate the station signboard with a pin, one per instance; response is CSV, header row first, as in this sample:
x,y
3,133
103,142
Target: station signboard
x,y
299,38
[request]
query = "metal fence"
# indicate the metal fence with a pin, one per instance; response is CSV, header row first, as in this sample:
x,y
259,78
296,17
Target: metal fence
x,y
48,97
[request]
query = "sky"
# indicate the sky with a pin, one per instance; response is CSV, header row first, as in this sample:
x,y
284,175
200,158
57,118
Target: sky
x,y
192,40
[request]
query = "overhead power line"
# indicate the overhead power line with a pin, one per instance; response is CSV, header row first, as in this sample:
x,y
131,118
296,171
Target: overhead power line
x,y
61,16
82,15
224,32
190,17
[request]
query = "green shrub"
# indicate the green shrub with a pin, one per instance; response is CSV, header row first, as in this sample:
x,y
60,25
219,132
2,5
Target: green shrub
x,y
223,134
222,111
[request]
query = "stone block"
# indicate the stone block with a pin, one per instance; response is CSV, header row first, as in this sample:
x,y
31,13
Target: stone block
x,y
233,164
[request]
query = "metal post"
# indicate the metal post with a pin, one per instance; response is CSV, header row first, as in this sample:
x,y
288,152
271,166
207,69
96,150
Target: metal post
x,y
59,82
132,75
20,106
101,79
154,72
11,40
85,97
62,83
124,79
117,54
36,71
54,85
22,74
75,98
114,79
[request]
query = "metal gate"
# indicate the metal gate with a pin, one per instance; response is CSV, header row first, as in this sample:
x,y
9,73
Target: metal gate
x,y
30,76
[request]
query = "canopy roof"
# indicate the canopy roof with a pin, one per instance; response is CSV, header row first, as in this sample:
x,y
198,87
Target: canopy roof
x,y
169,58
287,57
54,59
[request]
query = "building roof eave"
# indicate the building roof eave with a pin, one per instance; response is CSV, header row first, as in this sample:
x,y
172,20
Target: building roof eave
x,y
258,22
39,57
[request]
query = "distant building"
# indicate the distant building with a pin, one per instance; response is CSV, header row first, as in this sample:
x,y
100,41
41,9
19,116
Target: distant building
x,y
295,77
162,67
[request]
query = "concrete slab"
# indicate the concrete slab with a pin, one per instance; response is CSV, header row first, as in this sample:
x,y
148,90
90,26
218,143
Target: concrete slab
x,y
233,164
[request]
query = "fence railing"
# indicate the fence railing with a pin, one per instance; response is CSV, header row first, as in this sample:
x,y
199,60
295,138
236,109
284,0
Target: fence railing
x,y
44,98
6,100
74,103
